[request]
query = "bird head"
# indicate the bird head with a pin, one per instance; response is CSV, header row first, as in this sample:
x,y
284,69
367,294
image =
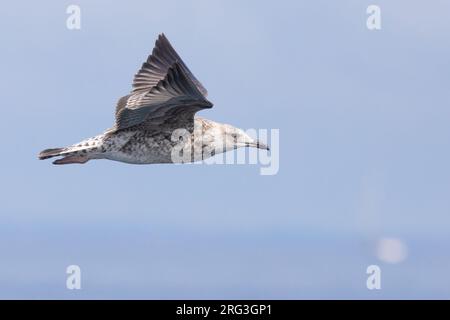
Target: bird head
x,y
236,138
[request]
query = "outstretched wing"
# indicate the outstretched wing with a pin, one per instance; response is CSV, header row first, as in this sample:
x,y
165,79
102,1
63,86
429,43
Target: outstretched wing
x,y
158,63
174,96
163,87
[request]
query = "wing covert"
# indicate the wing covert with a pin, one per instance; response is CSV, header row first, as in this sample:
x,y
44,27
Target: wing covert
x,y
174,94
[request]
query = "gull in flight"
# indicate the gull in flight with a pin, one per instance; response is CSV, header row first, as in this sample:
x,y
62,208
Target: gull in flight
x,y
156,120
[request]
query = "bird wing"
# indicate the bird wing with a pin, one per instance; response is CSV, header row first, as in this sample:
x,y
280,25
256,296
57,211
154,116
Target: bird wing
x,y
163,87
158,63
176,95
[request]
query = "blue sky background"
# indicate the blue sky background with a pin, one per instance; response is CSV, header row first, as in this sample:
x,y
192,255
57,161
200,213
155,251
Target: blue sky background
x,y
364,152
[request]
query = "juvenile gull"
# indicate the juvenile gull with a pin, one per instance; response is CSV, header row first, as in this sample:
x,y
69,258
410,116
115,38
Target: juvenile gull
x,y
156,118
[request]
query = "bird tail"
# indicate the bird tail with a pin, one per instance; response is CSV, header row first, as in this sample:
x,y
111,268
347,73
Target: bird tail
x,y
68,157
80,152
49,153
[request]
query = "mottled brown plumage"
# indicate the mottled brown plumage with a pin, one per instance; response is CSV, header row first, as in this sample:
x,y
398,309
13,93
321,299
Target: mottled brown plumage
x,y
155,123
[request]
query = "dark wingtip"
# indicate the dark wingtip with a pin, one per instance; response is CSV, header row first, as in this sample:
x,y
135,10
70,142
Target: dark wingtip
x,y
162,37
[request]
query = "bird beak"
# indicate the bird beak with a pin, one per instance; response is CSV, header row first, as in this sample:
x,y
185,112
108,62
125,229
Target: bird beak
x,y
258,145
263,146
